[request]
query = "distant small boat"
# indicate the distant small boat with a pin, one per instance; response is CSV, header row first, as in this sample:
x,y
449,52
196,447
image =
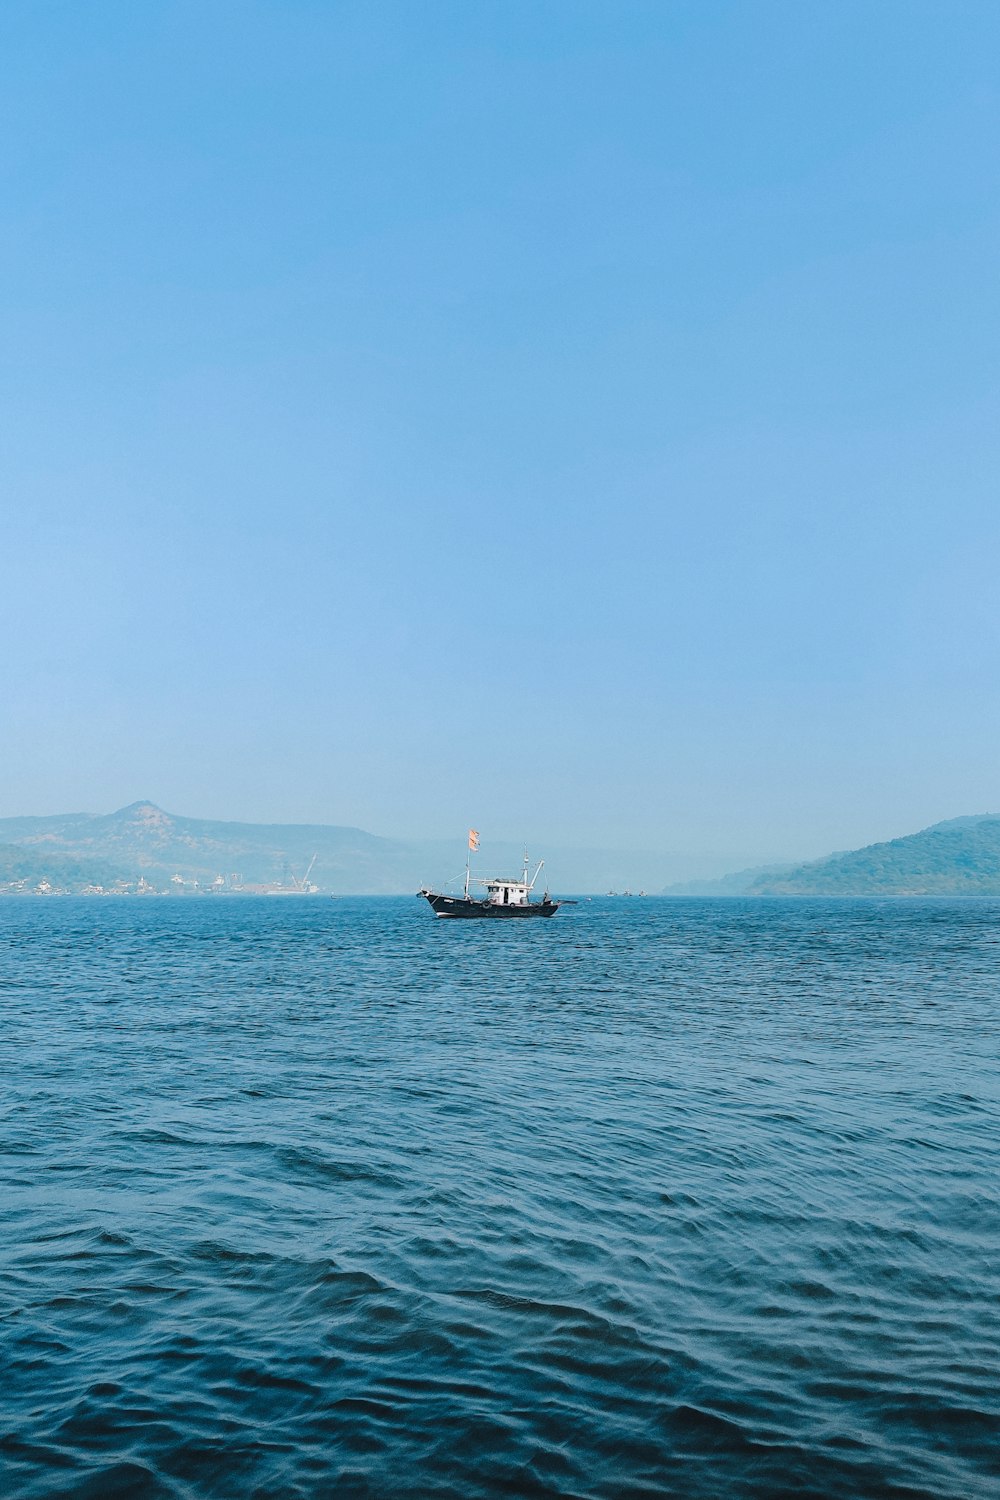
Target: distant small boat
x,y
504,898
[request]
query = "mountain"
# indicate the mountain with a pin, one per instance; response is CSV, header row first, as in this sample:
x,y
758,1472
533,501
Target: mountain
x,y
960,857
169,853
141,847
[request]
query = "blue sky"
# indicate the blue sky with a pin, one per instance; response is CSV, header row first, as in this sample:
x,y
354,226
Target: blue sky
x,y
576,419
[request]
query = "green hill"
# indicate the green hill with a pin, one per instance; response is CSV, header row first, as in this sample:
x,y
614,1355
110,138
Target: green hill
x,y
957,858
25,869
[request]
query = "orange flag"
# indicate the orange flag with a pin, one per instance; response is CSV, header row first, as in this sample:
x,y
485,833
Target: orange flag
x,y
473,838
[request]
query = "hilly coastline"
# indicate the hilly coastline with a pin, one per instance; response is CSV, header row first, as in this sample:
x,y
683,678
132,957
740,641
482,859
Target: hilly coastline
x,y
143,850
960,857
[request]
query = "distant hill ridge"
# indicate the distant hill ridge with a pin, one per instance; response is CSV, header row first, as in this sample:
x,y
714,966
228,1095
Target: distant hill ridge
x,y
960,857
143,848
166,851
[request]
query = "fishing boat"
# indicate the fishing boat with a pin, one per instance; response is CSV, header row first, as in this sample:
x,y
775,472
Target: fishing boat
x,y
504,898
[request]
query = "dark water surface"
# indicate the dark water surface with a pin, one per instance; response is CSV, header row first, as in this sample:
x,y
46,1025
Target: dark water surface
x,y
307,1198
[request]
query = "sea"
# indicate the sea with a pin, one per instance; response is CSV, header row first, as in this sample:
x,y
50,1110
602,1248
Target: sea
x,y
326,1197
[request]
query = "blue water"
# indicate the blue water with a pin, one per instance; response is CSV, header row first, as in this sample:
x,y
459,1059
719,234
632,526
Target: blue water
x,y
328,1198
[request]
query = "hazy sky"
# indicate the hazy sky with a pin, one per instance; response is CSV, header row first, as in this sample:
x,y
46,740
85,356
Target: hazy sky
x,y
575,419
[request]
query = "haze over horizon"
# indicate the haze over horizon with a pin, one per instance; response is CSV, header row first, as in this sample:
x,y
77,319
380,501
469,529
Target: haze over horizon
x,y
146,850
572,419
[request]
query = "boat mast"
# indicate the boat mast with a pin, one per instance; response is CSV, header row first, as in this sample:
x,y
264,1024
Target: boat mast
x,y
473,844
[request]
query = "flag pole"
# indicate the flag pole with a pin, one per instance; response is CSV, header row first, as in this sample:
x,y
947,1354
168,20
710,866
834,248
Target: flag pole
x,y
473,844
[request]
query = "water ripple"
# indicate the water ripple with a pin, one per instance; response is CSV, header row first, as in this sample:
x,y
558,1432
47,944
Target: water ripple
x,y
669,1198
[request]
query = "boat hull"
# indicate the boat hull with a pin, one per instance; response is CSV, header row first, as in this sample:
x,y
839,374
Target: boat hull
x,y
462,906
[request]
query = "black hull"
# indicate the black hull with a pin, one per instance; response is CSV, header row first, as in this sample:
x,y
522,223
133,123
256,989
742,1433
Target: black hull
x,y
462,906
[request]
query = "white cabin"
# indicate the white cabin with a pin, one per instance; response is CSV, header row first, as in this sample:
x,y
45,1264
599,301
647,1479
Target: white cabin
x,y
507,892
